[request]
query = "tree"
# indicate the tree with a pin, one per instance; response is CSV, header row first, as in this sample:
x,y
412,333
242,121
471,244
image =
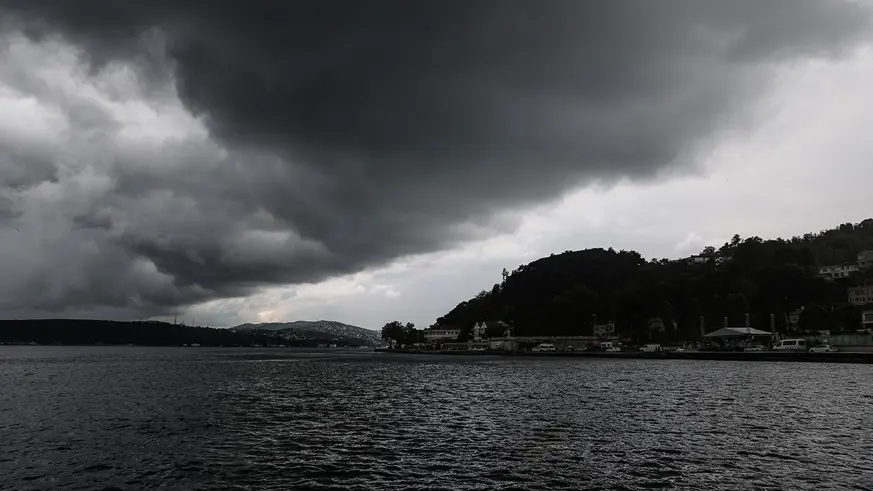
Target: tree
x,y
735,240
393,331
410,335
709,251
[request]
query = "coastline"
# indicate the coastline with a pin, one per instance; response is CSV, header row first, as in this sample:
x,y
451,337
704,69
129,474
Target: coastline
x,y
838,357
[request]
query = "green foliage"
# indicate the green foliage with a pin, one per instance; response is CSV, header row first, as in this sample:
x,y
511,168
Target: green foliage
x,y
402,334
561,294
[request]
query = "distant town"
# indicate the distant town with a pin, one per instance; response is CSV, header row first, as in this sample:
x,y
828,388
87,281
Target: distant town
x,y
813,292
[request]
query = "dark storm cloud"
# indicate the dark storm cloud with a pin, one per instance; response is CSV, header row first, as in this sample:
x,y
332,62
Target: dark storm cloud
x,y
362,131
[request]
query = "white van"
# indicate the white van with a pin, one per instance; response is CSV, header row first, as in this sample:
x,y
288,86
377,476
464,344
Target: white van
x,y
791,345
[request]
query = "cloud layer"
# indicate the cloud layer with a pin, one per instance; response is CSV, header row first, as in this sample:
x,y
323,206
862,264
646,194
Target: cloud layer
x,y
168,153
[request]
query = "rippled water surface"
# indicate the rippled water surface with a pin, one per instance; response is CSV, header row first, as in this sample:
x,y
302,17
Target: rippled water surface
x,y
142,418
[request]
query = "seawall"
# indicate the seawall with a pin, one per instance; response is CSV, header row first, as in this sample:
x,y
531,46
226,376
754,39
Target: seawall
x,y
838,357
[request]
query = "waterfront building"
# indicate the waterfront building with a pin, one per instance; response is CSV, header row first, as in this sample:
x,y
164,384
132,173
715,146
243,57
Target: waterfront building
x,y
794,318
656,324
867,319
839,271
861,295
604,331
480,329
440,334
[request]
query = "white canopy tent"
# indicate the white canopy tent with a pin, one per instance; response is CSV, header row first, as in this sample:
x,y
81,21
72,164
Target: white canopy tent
x,y
735,332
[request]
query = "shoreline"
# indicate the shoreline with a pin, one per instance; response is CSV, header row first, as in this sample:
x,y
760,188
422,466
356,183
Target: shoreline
x,y
838,357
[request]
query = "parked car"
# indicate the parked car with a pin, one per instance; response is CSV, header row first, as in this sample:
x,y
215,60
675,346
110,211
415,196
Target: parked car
x,y
650,348
791,345
608,346
823,348
754,347
544,347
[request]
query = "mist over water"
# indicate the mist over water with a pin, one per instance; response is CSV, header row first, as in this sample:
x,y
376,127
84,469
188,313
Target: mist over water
x,y
78,418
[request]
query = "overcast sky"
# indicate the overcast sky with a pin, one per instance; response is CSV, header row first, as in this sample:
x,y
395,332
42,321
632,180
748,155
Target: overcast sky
x,y
369,161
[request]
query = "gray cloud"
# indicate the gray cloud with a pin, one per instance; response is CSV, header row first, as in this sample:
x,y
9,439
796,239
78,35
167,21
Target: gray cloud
x,y
346,134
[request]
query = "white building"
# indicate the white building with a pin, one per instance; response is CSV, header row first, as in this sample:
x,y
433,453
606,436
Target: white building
x,y
861,295
794,317
867,319
865,259
604,331
841,271
441,334
480,329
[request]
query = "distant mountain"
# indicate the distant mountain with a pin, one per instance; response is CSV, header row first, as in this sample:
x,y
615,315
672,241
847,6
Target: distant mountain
x,y
326,331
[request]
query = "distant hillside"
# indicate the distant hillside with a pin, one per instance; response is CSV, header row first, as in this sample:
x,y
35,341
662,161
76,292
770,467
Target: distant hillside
x,y
327,331
149,333
566,294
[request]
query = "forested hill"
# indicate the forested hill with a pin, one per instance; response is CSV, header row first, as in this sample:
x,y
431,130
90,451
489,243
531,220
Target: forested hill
x,y
561,294
147,333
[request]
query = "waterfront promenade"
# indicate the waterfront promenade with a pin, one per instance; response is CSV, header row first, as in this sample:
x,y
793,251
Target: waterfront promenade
x,y
838,357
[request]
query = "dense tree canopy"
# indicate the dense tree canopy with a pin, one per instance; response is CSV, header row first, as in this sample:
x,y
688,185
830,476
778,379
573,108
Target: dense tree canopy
x,y
565,293
402,334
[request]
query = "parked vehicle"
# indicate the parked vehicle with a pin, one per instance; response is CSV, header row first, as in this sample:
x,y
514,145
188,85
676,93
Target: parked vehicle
x,y
754,347
823,348
791,345
650,348
544,347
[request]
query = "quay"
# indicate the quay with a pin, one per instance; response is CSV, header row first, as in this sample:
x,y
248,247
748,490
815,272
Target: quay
x,y
837,357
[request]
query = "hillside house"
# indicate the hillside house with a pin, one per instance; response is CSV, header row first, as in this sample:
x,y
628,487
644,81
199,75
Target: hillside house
x,y
697,260
604,331
860,295
839,271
